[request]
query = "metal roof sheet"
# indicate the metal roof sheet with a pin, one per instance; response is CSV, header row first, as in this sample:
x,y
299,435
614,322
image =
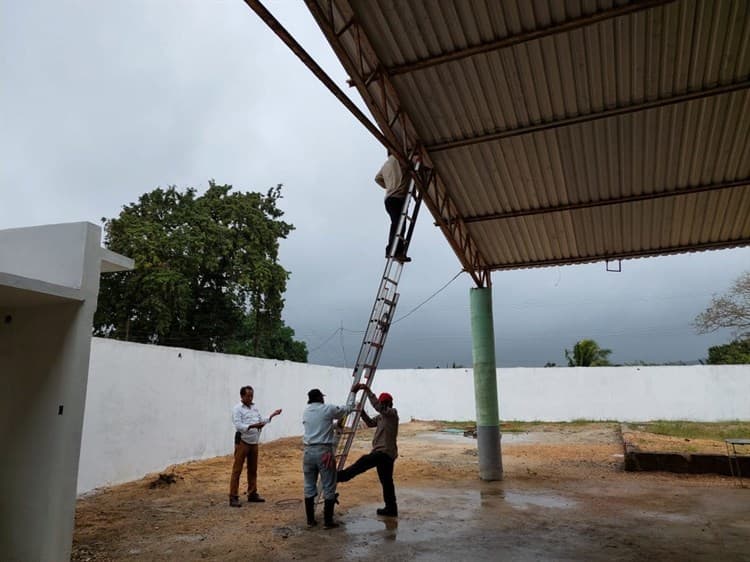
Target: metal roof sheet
x,y
566,130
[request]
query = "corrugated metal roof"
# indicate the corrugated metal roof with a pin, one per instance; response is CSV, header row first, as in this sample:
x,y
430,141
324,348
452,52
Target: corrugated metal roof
x,y
572,130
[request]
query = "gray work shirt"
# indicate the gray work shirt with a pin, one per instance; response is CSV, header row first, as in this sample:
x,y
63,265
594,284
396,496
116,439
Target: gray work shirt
x,y
317,419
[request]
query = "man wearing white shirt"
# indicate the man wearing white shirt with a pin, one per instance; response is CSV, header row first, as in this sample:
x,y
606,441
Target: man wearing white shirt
x,y
395,180
248,422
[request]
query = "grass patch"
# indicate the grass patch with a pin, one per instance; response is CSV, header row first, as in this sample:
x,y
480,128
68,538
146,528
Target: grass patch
x,y
697,430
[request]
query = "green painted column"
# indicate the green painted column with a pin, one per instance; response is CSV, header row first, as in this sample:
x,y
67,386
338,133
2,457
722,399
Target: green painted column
x,y
485,385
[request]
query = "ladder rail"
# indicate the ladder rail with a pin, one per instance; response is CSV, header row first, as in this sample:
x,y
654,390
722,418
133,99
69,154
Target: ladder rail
x,y
378,325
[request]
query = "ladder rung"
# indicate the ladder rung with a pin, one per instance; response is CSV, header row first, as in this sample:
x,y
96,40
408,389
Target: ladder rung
x,y
383,310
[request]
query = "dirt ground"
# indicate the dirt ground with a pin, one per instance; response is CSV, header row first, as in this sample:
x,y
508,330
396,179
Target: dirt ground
x,y
564,496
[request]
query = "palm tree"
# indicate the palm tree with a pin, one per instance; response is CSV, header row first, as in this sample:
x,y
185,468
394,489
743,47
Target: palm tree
x,y
587,353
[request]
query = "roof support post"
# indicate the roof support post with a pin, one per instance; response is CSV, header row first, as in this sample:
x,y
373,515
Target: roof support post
x,y
485,385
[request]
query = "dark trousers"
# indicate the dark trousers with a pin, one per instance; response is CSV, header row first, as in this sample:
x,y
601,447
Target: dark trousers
x,y
394,206
384,464
244,452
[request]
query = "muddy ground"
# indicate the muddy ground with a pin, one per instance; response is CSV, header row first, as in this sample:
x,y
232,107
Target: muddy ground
x,y
565,496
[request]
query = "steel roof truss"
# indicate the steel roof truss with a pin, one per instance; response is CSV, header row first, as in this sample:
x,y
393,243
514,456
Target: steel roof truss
x,y
577,119
609,202
351,45
523,37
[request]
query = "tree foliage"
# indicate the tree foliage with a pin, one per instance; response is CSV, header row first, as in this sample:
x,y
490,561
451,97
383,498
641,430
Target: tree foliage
x,y
734,353
207,274
731,310
587,353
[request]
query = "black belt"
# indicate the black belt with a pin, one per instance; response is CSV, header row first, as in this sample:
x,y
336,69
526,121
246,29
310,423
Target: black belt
x,y
318,444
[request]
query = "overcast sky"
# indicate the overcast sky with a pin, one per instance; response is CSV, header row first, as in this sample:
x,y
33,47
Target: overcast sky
x,y
104,101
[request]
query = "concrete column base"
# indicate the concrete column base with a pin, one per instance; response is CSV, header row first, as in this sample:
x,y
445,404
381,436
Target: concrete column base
x,y
490,453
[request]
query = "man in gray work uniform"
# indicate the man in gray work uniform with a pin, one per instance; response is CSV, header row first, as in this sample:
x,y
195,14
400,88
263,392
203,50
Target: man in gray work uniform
x,y
319,457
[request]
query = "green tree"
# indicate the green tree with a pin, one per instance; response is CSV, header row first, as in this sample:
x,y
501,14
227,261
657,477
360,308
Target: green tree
x,y
277,343
587,353
207,275
734,353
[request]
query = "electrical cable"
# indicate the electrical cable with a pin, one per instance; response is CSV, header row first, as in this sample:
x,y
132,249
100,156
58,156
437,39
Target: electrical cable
x,y
336,331
412,311
428,299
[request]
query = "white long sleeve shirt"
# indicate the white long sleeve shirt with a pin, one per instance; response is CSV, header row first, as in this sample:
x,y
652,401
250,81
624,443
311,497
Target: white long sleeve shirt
x,y
242,416
317,419
392,178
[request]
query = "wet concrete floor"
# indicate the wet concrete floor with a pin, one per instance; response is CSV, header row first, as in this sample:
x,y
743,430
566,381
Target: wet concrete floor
x,y
629,519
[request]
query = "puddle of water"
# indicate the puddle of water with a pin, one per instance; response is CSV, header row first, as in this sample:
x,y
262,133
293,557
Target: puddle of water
x,y
521,500
446,437
456,436
188,538
671,517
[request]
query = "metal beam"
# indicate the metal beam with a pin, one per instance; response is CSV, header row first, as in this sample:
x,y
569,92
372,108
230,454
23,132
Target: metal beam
x,y
626,255
577,119
349,41
297,49
523,37
608,202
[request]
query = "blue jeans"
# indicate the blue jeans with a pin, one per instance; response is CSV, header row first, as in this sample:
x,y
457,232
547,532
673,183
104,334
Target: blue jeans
x,y
312,466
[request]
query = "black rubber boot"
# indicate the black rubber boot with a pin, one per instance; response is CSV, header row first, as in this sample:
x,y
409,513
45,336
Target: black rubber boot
x,y
342,476
328,514
388,511
310,511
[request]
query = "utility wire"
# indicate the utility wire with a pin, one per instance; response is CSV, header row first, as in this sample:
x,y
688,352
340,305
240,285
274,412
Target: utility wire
x,y
341,341
329,338
428,299
412,311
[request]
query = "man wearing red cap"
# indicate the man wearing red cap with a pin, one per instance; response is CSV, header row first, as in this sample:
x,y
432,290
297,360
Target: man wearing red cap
x,y
384,450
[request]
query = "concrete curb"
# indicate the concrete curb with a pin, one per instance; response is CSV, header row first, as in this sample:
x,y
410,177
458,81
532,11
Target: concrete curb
x,y
683,463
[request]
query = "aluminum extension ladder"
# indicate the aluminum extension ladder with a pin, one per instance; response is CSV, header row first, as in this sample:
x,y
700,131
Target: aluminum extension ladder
x,y
382,314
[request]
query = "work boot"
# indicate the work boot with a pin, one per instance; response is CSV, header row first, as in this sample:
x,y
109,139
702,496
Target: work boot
x,y
255,498
234,501
328,514
388,511
310,511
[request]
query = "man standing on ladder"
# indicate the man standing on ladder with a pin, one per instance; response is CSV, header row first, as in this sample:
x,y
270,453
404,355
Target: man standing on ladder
x,y
395,180
384,449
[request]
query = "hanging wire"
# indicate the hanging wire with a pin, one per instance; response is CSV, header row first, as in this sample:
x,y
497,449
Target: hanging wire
x,y
428,299
341,341
341,329
329,338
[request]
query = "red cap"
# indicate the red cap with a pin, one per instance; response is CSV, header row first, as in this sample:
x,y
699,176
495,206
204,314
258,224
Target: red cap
x,y
385,397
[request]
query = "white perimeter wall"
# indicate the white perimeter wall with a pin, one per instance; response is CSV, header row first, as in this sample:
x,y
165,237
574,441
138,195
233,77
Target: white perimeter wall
x,y
148,407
